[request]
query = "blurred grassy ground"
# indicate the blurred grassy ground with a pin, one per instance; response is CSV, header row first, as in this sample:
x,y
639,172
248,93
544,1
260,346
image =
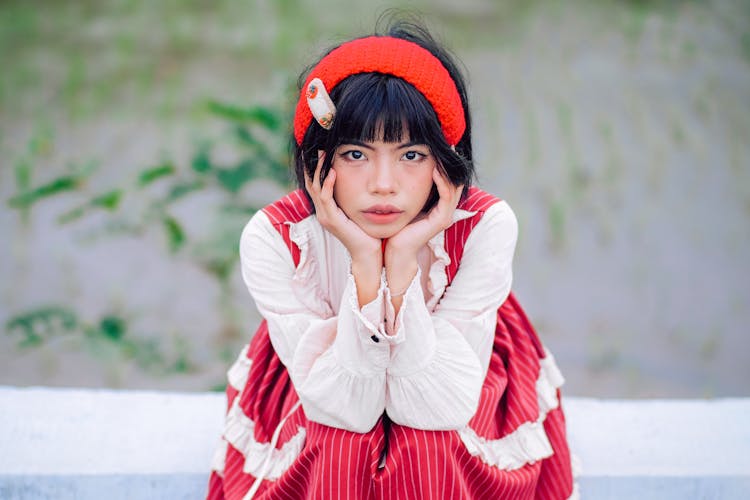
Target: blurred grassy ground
x,y
82,58
601,123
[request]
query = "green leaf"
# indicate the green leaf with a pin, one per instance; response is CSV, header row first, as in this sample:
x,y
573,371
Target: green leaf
x,y
175,234
260,115
25,326
59,185
23,173
182,363
244,135
72,214
150,175
233,179
279,172
108,201
31,339
47,320
146,353
201,161
112,327
180,190
220,267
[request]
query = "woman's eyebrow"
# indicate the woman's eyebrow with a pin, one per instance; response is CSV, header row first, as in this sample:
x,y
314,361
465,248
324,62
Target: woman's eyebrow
x,y
410,144
362,144
356,142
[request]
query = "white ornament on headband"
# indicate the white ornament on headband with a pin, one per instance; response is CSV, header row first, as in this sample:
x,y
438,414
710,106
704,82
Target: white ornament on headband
x,y
320,103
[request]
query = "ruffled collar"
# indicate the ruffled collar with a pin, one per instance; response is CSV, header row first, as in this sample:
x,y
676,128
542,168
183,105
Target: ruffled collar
x,y
437,279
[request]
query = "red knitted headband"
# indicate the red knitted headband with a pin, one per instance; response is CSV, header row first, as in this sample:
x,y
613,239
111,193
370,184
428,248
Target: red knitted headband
x,y
396,57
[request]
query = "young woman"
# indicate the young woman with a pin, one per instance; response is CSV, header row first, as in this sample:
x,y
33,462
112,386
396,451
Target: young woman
x,y
393,360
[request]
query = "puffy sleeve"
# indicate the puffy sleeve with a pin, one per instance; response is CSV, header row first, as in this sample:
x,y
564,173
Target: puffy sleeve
x,y
439,358
337,369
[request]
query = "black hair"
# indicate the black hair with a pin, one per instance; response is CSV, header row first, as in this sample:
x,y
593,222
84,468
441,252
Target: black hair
x,y
371,106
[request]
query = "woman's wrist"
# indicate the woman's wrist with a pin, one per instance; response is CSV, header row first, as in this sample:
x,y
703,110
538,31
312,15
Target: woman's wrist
x,y
399,273
367,269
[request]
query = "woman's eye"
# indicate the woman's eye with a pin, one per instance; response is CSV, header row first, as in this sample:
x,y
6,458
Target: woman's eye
x,y
413,155
353,155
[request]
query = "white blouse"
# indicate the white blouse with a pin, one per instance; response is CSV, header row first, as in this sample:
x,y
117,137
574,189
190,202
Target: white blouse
x,y
425,366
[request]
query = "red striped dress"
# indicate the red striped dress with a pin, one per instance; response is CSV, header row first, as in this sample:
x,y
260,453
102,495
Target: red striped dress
x,y
514,446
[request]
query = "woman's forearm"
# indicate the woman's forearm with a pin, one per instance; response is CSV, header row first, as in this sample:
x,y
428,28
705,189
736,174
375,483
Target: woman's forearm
x,y
366,269
400,269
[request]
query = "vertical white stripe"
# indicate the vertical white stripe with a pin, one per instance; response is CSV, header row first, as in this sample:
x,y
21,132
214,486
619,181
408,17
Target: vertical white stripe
x,y
339,479
415,435
325,447
348,462
452,471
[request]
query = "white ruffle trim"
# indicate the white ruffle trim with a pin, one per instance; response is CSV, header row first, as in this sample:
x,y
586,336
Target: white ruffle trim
x,y
239,433
373,308
437,280
550,379
529,442
240,370
219,459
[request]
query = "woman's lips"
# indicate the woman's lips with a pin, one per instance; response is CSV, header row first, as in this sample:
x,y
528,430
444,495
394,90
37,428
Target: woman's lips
x,y
382,214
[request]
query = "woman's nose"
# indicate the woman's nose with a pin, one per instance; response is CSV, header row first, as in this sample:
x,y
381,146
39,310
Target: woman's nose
x,y
384,180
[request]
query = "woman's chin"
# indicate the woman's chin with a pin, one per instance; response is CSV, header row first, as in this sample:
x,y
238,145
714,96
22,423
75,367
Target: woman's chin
x,y
381,232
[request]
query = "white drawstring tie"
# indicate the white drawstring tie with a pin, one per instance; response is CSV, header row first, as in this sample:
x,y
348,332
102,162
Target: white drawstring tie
x,y
267,463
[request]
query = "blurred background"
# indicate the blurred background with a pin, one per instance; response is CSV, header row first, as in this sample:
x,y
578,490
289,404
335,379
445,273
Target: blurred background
x,y
137,138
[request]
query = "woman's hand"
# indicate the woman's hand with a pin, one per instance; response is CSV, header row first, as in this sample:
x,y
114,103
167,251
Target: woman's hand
x,y
333,219
402,248
408,241
366,253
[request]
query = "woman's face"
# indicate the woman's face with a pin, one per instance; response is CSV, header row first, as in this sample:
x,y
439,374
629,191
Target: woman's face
x,y
382,186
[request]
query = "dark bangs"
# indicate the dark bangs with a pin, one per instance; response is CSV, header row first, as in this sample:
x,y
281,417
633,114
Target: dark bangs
x,y
376,106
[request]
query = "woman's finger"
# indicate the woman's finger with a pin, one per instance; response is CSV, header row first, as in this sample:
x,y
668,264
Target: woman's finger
x,y
326,192
315,181
449,195
318,168
313,185
441,183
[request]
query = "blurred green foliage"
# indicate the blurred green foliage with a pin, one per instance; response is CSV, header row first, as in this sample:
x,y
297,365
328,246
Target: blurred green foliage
x,y
100,52
105,338
256,133
259,140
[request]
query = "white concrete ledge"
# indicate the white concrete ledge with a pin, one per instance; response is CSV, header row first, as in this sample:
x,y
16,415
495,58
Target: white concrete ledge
x,y
87,444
